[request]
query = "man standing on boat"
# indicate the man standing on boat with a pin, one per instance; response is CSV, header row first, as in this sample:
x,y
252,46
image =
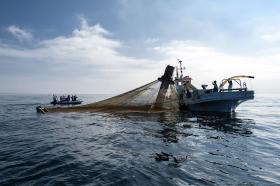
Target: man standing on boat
x,y
215,89
229,85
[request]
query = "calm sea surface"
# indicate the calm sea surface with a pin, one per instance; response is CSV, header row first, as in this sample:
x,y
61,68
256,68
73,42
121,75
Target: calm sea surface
x,y
119,149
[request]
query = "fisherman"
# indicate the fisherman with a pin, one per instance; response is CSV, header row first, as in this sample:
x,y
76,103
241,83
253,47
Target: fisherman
x,y
230,85
75,98
189,94
54,98
215,88
68,98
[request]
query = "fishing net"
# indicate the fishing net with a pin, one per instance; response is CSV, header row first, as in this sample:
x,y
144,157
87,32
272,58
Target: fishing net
x,y
159,95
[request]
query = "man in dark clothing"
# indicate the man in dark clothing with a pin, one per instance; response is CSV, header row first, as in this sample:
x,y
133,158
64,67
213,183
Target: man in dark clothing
x,y
229,86
215,88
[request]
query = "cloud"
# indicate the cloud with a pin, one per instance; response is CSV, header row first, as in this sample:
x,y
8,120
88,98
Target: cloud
x,y
90,45
152,40
89,54
19,34
272,37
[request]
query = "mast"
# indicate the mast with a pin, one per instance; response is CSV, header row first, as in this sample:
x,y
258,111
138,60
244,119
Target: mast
x,y
181,68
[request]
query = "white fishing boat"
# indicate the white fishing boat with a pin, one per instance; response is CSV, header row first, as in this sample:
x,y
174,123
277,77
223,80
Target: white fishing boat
x,y
219,99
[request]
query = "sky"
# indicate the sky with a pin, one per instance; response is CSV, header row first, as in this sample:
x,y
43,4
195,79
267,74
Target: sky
x,y
112,46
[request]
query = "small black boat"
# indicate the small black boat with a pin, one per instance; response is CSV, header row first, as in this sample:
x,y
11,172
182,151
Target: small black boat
x,y
66,100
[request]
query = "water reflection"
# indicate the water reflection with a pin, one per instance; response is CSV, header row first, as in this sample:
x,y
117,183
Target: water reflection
x,y
173,125
226,123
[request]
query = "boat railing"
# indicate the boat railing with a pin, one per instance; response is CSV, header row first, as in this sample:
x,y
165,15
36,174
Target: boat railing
x,y
196,94
233,90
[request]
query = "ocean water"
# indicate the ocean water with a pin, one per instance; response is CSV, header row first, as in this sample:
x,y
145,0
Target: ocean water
x,y
120,149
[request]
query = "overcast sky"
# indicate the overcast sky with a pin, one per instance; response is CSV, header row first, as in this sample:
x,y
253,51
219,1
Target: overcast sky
x,y
111,46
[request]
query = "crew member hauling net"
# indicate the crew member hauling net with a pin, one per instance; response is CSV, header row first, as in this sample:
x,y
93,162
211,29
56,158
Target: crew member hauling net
x,y
159,95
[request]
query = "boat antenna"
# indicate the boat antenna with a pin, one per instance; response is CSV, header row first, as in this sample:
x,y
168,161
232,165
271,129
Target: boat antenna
x,y
177,73
181,68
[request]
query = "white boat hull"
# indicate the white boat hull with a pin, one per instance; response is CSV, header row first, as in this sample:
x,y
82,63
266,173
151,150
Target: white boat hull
x,y
217,101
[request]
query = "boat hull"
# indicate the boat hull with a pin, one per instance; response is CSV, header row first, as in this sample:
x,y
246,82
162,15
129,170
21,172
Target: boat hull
x,y
220,102
214,106
77,102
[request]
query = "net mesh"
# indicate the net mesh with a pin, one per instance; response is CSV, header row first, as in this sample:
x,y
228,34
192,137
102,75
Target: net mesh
x,y
159,95
152,97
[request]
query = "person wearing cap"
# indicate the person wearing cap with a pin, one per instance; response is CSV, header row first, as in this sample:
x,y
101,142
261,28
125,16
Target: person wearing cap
x,y
215,88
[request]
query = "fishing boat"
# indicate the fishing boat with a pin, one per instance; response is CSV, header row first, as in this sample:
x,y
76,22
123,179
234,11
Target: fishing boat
x,y
219,99
63,100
